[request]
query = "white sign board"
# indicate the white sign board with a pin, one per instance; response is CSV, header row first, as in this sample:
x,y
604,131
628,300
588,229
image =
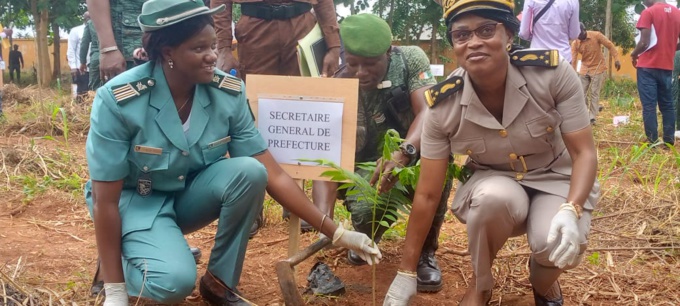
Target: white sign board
x,y
297,130
437,69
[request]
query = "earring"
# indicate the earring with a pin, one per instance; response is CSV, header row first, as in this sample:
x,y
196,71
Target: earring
x,y
509,47
171,64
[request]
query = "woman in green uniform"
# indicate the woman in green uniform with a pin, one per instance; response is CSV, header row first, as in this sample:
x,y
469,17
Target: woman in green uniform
x,y
156,155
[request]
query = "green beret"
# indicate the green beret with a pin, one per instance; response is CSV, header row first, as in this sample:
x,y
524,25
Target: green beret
x,y
365,35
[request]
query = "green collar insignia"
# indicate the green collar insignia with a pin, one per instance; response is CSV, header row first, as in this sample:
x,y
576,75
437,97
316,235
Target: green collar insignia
x,y
127,91
227,83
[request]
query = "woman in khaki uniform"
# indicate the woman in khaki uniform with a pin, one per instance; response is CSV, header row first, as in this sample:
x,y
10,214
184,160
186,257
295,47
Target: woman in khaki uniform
x,y
520,116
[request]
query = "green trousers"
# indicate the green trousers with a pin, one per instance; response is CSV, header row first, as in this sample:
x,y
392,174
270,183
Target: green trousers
x,y
157,262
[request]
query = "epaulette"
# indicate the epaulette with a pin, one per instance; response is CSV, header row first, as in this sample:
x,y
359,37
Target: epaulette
x,y
127,91
535,57
439,92
227,83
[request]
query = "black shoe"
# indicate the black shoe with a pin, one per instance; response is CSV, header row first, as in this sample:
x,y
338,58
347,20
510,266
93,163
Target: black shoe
x,y
256,225
600,108
592,121
97,287
230,297
429,274
196,252
354,259
542,301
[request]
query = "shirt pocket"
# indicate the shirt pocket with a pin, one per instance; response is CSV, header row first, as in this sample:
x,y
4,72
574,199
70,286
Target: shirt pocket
x,y
544,125
129,21
471,147
150,159
216,150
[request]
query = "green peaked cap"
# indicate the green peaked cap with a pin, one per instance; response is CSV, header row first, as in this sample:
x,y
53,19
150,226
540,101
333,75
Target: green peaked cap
x,y
365,35
158,14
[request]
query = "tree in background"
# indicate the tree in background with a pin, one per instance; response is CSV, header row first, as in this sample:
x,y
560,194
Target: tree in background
x,y
46,17
592,14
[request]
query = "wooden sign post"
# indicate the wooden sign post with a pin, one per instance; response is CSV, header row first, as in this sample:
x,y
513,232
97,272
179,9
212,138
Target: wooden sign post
x,y
305,118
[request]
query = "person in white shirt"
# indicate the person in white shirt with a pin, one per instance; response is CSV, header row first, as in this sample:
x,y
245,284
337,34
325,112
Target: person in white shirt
x,y
79,79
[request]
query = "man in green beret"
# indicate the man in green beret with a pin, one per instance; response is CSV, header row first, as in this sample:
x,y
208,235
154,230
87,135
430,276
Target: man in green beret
x,y
392,82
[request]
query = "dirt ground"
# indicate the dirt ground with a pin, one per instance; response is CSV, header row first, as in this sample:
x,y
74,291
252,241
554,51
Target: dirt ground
x,y
49,243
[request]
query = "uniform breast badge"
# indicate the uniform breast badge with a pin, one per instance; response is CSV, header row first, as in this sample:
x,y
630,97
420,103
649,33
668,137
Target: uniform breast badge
x,y
144,185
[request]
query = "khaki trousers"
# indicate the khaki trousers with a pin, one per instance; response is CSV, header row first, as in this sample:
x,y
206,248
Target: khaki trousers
x,y
270,47
592,85
501,208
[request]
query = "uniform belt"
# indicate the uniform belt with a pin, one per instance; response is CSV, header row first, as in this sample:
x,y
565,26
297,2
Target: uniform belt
x,y
526,163
271,11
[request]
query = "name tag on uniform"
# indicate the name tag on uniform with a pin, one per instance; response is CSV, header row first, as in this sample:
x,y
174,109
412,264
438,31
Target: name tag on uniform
x,y
219,142
148,150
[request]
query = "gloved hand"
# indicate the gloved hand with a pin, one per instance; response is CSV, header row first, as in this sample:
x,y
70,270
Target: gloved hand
x,y
116,294
565,225
359,243
403,288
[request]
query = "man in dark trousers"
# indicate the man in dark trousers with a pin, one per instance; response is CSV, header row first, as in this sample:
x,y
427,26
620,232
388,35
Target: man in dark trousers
x,y
16,63
655,67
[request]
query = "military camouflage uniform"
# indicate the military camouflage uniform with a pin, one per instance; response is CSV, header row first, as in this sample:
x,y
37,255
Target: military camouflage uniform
x,y
126,31
90,38
408,68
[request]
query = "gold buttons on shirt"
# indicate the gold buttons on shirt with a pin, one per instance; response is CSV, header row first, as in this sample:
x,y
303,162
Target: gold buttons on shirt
x,y
185,153
145,168
549,129
513,156
519,176
503,133
468,152
181,177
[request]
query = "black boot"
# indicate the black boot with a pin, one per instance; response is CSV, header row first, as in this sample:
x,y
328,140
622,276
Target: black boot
x,y
429,274
428,271
540,300
352,257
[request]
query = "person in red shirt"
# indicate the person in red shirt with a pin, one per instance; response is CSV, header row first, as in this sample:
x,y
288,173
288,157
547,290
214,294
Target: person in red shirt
x,y
655,66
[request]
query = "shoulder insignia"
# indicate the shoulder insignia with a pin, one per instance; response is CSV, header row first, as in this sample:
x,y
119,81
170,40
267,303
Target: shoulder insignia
x,y
535,57
227,83
127,91
442,90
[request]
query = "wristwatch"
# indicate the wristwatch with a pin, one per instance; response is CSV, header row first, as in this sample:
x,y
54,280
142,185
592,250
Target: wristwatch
x,y
410,151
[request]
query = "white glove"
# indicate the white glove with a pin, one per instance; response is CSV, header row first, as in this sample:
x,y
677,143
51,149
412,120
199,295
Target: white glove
x,y
403,288
565,225
357,242
116,294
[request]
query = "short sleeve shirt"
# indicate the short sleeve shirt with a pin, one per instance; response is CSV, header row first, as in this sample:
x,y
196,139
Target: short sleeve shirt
x,y
666,21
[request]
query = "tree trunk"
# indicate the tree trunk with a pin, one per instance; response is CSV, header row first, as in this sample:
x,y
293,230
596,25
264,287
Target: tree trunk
x,y
433,42
608,33
57,51
390,14
41,21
